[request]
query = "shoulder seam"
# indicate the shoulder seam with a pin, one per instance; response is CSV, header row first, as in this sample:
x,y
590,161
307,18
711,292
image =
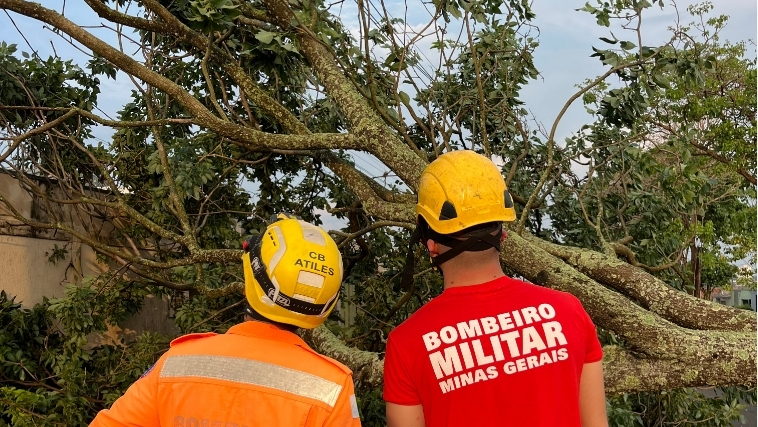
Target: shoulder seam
x,y
337,364
191,337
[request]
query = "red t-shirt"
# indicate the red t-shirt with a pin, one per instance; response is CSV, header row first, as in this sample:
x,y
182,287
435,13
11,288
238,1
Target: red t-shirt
x,y
503,353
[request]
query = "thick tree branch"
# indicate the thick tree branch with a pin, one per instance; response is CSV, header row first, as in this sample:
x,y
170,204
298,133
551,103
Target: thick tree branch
x,y
260,98
623,250
367,367
114,16
379,140
652,293
626,372
281,114
644,331
372,204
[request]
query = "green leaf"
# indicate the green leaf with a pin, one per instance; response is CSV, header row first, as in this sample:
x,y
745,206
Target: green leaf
x,y
603,18
265,36
404,98
451,9
662,81
627,45
587,8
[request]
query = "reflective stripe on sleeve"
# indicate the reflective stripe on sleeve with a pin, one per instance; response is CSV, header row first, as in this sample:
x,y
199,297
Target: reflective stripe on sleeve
x,y
246,371
354,406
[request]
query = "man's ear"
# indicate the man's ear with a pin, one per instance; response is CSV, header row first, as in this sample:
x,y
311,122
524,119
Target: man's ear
x,y
503,235
433,247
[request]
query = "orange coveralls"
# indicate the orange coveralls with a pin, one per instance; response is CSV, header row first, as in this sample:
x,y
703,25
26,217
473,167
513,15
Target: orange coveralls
x,y
254,375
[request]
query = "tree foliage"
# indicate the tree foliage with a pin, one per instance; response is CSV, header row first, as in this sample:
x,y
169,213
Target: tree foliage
x,y
244,109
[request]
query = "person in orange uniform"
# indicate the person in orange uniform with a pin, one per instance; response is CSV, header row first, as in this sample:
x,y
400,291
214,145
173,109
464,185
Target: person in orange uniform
x,y
259,373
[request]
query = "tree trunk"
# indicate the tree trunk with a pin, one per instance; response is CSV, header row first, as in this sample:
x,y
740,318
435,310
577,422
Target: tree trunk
x,y
695,262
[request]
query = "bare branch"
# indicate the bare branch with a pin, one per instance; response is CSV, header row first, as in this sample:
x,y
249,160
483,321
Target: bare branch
x,y
203,117
347,238
34,132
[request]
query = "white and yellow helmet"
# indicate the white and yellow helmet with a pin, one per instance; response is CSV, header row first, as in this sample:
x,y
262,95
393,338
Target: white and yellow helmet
x,y
293,273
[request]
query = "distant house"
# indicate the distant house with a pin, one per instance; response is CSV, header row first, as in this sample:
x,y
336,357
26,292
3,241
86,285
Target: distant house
x,y
738,296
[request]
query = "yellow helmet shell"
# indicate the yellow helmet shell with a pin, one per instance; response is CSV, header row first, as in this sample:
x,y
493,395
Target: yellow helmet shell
x,y
462,189
300,271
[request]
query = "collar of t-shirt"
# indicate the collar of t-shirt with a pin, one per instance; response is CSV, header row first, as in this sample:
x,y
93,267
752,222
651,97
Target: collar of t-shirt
x,y
266,331
490,286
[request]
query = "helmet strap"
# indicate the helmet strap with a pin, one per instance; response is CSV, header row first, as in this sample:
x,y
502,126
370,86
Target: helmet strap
x,y
466,241
471,241
410,260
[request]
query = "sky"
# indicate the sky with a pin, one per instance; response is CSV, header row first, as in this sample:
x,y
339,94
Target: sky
x,y
566,38
563,57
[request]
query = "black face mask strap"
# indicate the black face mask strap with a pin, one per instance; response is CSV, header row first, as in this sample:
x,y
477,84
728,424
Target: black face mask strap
x,y
410,260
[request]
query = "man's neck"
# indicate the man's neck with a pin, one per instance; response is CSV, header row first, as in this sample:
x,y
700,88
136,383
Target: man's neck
x,y
261,319
455,277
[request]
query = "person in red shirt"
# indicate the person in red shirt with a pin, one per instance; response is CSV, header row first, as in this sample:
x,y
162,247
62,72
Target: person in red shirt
x,y
491,350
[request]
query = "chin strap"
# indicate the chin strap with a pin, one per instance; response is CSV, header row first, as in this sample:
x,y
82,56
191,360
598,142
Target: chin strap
x,y
472,241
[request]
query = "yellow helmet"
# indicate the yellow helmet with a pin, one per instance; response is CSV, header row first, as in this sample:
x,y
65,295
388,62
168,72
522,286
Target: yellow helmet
x,y
293,273
462,189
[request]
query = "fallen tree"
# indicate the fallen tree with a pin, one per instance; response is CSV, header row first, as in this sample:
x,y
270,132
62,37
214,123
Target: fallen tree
x,y
280,95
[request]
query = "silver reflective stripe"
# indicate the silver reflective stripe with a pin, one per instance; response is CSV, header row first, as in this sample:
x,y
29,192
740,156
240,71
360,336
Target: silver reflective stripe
x,y
252,372
312,233
354,406
279,252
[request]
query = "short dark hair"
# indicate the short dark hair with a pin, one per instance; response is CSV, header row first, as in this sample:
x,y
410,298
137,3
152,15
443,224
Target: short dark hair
x,y
450,240
250,311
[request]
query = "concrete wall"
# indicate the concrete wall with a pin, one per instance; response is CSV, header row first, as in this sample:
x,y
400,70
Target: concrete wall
x,y
81,218
11,189
27,272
